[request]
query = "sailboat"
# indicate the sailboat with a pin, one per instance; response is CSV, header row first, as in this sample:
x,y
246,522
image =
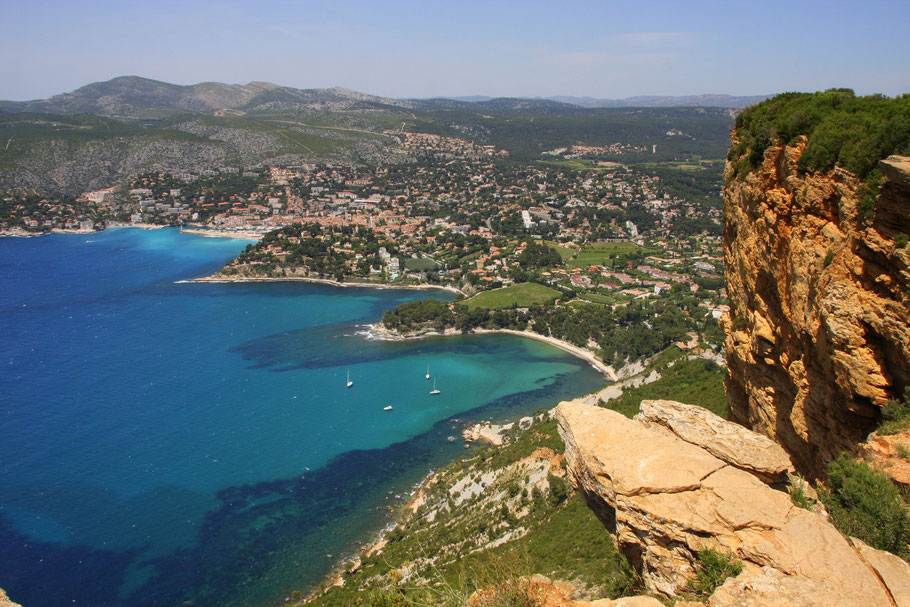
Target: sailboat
x,y
350,383
434,390
428,371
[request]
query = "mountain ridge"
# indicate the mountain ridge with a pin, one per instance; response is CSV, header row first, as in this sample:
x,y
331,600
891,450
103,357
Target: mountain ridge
x,y
134,96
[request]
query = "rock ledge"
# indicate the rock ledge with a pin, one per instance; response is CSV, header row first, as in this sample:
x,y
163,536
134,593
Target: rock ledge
x,y
680,479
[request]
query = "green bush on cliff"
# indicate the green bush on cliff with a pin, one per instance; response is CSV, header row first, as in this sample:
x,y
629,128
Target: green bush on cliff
x,y
865,504
843,129
896,415
714,568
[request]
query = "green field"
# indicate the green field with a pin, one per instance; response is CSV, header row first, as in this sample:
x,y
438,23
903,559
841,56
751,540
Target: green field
x,y
685,165
565,252
579,164
521,295
420,265
599,254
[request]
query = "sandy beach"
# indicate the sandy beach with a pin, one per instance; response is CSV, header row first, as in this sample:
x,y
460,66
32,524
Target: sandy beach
x,y
214,233
608,371
323,281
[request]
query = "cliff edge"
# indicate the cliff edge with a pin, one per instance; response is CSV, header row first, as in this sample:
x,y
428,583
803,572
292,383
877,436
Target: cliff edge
x,y
818,336
678,480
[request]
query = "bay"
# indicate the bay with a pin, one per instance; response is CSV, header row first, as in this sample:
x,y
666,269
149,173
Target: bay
x,y
164,442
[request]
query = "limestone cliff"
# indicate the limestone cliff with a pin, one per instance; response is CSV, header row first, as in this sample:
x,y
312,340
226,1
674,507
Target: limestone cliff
x,y
818,336
678,480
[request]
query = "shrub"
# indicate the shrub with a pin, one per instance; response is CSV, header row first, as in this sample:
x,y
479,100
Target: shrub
x,y
798,494
867,193
559,490
896,415
900,240
714,568
865,504
843,129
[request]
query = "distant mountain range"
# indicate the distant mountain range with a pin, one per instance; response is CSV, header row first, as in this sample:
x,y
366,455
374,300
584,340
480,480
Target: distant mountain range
x,y
709,100
103,133
133,96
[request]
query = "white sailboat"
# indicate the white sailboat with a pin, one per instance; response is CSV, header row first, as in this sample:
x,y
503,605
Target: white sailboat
x,y
389,408
350,383
434,390
428,371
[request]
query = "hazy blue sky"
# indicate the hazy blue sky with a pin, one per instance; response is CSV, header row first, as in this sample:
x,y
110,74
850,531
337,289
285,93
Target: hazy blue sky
x,y
447,48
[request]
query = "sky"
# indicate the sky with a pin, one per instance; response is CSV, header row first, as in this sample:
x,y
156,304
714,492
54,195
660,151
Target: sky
x,y
429,48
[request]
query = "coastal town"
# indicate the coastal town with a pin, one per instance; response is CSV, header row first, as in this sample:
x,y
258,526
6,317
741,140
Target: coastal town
x,y
500,233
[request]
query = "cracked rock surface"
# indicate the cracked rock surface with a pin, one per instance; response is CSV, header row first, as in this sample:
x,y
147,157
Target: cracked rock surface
x,y
665,498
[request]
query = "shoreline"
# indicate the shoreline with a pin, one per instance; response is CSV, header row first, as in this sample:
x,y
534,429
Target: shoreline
x,y
324,281
215,233
382,333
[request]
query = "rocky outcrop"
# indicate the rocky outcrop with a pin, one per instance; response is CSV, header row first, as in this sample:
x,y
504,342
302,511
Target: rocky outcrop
x,y
541,591
889,454
667,486
754,453
818,337
5,600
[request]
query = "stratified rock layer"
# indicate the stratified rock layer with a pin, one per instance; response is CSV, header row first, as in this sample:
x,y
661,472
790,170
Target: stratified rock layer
x,y
818,337
664,499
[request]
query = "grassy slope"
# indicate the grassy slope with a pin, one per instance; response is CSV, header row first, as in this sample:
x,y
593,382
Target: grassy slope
x,y
434,555
694,382
521,295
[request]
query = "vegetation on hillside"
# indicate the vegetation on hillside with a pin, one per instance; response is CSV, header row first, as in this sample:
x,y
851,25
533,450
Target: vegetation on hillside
x,y
695,381
896,415
489,519
618,336
843,130
865,504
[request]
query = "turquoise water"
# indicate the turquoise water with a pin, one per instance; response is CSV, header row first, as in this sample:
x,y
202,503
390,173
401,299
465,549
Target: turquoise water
x,y
166,442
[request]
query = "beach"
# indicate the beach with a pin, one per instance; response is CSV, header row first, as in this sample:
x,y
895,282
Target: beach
x,y
380,332
323,281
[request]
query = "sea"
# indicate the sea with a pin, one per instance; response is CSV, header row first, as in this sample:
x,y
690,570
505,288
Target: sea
x,y
165,442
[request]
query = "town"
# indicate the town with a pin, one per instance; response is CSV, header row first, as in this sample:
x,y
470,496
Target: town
x,y
499,232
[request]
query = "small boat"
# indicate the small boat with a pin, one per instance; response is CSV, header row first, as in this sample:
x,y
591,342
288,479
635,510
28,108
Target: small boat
x,y
350,383
434,390
428,372
389,408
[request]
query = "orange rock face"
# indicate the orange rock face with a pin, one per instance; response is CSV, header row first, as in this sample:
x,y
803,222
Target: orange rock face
x,y
818,336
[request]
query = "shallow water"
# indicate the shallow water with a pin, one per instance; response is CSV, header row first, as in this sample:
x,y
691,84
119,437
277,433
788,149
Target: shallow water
x,y
166,442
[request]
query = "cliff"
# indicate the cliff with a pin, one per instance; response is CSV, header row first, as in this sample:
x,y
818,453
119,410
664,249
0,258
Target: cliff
x,y
818,336
678,480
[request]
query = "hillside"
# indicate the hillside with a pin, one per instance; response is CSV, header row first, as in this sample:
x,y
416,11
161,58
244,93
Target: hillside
x,y
106,132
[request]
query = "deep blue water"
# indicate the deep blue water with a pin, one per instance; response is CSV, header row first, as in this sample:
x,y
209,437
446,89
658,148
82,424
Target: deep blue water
x,y
163,442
